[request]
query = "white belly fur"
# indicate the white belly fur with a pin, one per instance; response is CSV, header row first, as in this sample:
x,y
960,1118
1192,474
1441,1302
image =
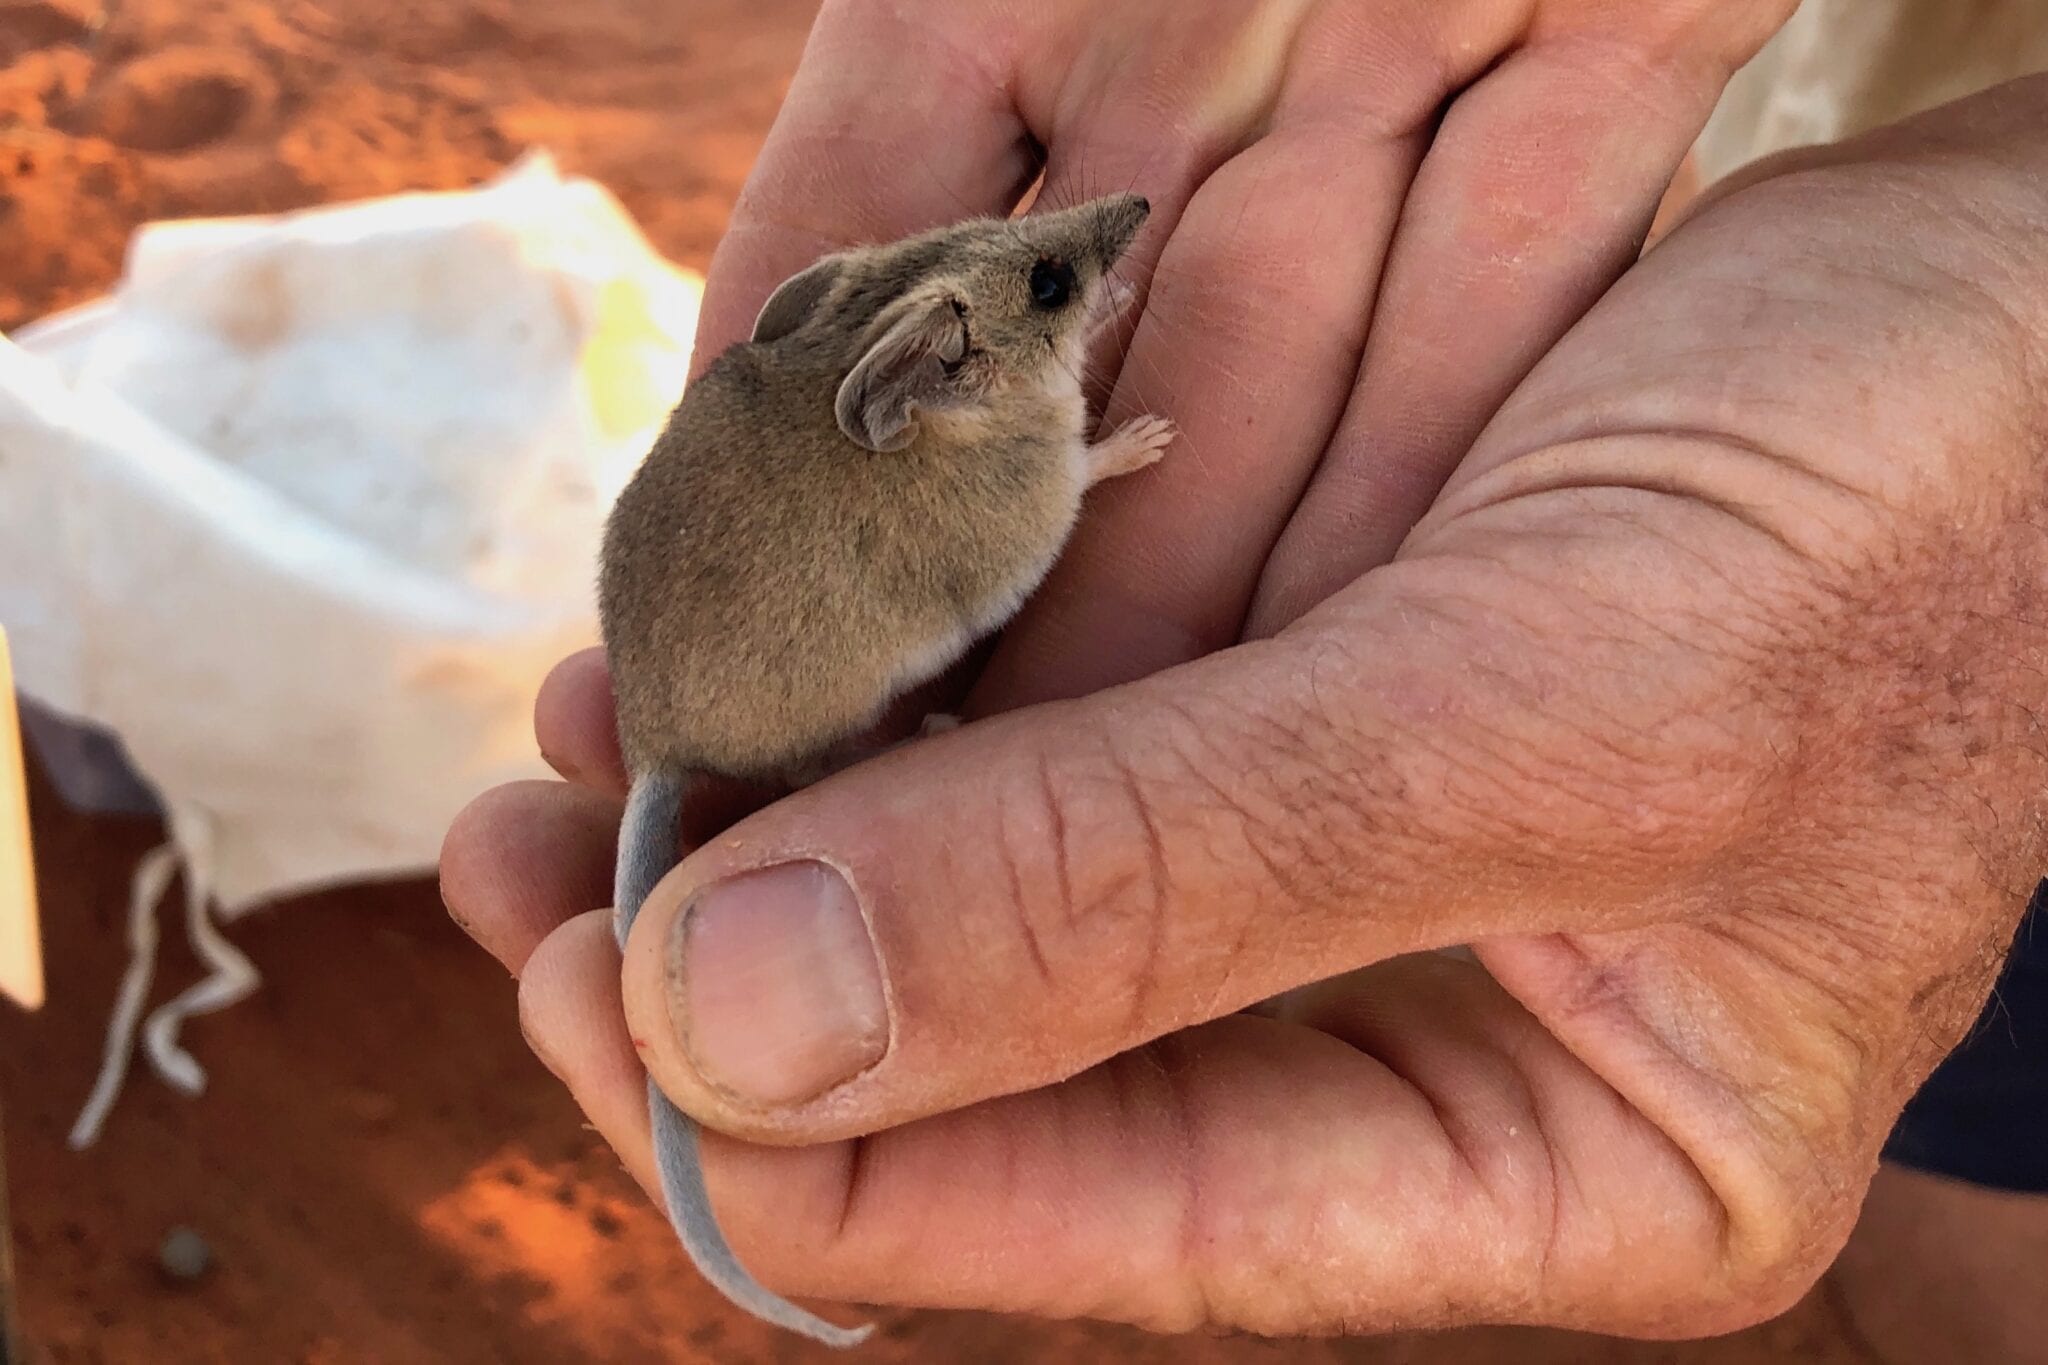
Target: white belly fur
x,y
941,652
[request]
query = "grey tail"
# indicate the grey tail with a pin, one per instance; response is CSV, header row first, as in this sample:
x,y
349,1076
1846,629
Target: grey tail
x,y
647,851
689,1208
647,844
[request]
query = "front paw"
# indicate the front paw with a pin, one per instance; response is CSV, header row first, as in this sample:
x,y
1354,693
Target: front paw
x,y
1146,439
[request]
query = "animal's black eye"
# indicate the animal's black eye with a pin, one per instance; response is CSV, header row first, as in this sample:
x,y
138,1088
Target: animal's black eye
x,y
1052,284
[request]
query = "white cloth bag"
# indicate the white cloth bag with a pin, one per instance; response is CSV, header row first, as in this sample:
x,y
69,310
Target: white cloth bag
x,y
306,510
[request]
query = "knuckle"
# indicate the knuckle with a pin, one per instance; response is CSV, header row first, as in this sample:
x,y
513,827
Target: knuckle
x,y
1096,927
1767,1278
1135,871
1790,1227
1766,1127
1743,1268
1264,820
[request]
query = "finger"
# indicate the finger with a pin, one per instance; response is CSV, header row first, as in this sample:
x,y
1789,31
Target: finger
x,y
1250,338
570,1012
576,726
898,119
1160,128
1162,563
523,858
1250,1175
1515,226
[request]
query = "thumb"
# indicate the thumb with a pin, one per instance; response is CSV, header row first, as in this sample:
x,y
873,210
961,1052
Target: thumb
x,y
1002,907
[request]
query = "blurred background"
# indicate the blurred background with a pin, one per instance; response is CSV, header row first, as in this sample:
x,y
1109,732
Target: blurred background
x,y
379,1169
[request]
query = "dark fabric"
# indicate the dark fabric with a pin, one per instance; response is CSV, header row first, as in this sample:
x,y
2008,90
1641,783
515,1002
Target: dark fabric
x,y
1983,1116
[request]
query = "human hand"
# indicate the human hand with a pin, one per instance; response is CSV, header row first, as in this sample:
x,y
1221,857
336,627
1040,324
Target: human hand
x,y
1705,702
1370,217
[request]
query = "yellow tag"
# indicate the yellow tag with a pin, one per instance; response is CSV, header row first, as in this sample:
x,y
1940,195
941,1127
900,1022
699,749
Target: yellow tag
x,y
21,946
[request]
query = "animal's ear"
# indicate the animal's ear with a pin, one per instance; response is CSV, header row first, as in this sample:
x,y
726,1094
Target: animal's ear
x,y
796,298
910,366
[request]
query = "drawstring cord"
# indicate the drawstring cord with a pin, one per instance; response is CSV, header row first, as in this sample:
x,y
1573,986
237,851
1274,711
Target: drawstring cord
x,y
231,976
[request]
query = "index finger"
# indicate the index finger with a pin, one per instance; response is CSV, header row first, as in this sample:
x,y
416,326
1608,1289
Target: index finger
x,y
891,126
1515,226
1256,316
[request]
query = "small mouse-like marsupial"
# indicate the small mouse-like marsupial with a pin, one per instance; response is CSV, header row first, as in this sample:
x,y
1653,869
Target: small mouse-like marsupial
x,y
837,510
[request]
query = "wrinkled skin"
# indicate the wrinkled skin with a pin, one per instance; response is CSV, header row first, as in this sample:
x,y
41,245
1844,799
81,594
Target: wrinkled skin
x,y
1704,700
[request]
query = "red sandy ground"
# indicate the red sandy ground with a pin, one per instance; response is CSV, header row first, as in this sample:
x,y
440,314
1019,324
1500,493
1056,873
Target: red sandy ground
x,y
384,1173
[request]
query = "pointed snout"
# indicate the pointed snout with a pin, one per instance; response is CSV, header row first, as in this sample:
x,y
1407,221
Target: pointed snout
x,y
1099,231
1117,221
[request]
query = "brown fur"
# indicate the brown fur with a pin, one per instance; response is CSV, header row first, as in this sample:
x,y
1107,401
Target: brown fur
x,y
838,509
